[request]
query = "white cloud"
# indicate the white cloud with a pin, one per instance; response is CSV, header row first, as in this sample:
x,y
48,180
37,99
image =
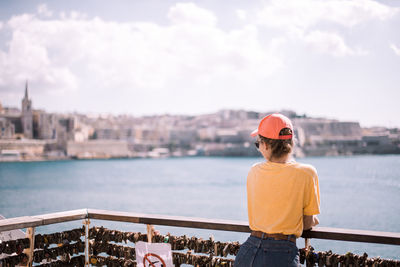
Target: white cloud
x,y
395,49
27,58
295,15
242,14
330,43
44,11
192,14
94,55
302,20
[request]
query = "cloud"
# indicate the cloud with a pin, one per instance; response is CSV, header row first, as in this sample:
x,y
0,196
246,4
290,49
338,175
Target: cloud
x,y
395,49
242,14
330,43
321,23
72,52
28,58
44,11
298,16
190,13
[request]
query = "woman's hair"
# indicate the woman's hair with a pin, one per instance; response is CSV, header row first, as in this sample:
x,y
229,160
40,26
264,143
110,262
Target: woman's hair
x,y
279,147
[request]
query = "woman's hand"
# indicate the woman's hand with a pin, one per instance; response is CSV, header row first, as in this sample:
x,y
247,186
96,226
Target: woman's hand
x,y
309,221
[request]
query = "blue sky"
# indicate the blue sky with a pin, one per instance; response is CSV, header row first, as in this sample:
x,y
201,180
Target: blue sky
x,y
331,58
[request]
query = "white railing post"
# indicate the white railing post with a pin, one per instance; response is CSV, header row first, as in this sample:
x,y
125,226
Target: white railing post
x,y
86,222
30,233
150,232
307,243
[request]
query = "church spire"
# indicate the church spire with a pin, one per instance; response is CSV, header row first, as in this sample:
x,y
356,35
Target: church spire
x,y
26,89
27,115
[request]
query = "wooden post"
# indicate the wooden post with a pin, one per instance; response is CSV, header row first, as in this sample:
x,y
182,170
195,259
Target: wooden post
x,y
307,248
150,230
86,222
30,233
307,243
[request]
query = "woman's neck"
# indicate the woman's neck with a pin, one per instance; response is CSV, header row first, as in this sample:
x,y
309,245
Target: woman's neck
x,y
284,159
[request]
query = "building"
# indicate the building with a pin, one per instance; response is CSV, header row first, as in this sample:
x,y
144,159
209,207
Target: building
x,y
320,137
27,115
7,129
46,125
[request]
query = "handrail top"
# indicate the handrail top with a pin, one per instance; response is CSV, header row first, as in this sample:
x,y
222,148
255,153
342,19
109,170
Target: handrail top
x,y
72,215
96,212
191,222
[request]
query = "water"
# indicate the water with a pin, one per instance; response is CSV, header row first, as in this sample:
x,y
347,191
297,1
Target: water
x,y
361,192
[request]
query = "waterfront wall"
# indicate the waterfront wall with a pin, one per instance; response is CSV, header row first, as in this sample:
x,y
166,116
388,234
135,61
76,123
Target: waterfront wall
x,y
98,149
22,149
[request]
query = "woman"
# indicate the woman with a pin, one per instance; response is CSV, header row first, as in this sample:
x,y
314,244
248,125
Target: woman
x,y
282,198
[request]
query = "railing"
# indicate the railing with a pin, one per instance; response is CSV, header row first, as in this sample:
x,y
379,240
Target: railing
x,y
30,222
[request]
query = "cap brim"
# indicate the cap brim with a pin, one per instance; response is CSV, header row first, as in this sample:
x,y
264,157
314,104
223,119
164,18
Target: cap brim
x,y
254,133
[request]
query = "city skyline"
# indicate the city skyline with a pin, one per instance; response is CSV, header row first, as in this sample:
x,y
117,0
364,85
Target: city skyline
x,y
26,93
29,134
334,59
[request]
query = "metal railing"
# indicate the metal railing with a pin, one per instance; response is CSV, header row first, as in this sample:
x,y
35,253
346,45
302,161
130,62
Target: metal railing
x,y
30,222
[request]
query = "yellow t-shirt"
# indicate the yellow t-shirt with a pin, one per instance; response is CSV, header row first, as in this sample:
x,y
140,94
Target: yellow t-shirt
x,y
279,194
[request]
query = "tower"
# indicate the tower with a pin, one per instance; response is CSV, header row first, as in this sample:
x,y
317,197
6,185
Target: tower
x,y
27,115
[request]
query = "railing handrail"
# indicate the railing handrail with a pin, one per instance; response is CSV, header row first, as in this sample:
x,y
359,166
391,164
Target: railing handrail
x,y
192,222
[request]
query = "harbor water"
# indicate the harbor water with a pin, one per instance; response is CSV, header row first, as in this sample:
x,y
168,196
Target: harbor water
x,y
357,192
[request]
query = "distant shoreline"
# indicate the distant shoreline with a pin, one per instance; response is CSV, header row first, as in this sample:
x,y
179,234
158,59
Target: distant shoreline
x,y
182,157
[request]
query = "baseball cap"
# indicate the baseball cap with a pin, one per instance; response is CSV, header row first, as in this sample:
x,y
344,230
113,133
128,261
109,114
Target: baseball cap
x,y
271,125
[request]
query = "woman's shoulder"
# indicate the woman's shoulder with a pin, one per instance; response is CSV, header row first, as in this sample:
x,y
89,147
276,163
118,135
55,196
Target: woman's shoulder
x,y
306,168
255,166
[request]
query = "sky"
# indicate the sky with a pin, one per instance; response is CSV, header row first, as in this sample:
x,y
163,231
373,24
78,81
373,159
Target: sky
x,y
337,59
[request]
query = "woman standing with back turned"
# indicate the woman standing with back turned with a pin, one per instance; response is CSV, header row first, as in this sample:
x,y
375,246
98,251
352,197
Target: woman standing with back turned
x,y
282,198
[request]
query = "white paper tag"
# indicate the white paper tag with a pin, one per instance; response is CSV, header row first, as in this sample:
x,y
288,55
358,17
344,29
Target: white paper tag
x,y
153,254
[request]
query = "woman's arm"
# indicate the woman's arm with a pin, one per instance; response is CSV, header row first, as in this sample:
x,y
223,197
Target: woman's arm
x,y
309,221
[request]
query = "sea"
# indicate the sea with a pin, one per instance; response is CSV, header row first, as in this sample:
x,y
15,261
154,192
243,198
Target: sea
x,y
357,192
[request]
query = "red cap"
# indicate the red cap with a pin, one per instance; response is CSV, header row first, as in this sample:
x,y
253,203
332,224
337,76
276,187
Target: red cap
x,y
271,125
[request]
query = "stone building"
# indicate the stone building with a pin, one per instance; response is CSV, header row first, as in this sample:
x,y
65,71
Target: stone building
x,y
46,125
27,115
7,129
319,137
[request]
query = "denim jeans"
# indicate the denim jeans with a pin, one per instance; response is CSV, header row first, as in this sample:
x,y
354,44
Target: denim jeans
x,y
269,252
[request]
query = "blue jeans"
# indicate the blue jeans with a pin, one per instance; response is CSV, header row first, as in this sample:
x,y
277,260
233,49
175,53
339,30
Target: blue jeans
x,y
269,252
